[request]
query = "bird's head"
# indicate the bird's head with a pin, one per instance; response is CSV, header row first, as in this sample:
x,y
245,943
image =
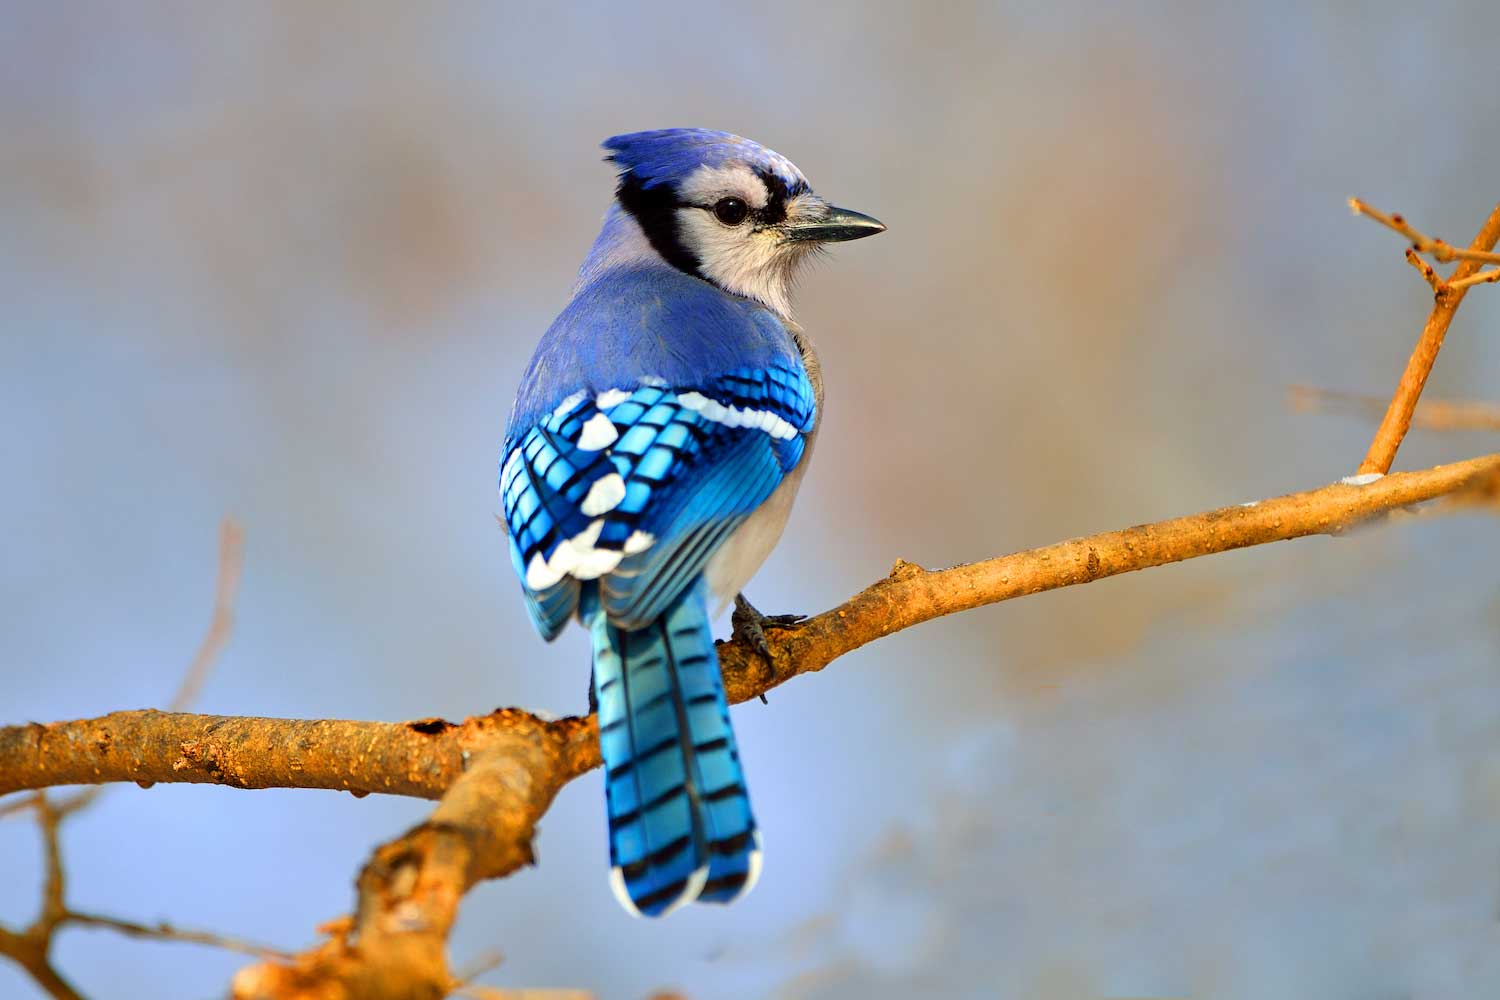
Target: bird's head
x,y
727,210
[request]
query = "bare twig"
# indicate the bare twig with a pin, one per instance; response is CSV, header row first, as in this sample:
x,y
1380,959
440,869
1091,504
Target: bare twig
x,y
1479,278
163,931
220,626
1433,279
1431,414
1441,250
221,622
1447,295
31,948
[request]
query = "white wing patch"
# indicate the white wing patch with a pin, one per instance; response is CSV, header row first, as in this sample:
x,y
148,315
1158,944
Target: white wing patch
x,y
597,433
604,496
639,541
569,404
734,416
610,398
574,557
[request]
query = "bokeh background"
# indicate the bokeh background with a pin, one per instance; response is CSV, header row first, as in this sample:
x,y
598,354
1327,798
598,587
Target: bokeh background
x,y
287,261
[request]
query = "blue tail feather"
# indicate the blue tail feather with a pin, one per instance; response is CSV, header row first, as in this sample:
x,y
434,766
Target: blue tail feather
x,y
680,826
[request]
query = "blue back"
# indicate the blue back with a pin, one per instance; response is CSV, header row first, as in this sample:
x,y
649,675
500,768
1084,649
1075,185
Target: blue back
x,y
646,321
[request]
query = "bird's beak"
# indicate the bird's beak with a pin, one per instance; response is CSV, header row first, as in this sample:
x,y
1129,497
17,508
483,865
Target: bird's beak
x,y
835,226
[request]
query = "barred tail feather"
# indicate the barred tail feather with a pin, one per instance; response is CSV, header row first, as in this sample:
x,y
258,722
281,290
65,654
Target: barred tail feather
x,y
680,826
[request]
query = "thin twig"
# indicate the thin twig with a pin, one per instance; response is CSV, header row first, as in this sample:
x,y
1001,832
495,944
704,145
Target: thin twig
x,y
221,622
215,637
31,948
1434,281
1431,414
1481,278
164,931
1446,299
485,961
1441,250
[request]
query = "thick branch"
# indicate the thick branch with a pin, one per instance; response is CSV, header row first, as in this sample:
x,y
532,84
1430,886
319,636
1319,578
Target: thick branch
x,y
497,774
410,890
420,759
425,758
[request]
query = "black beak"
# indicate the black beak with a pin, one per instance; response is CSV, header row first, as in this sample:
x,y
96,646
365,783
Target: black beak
x,y
839,225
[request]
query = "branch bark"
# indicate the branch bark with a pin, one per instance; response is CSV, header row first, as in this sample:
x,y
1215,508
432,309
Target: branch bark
x,y
426,758
496,775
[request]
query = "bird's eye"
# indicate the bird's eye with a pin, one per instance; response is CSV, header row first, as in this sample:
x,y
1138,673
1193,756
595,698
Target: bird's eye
x,y
731,211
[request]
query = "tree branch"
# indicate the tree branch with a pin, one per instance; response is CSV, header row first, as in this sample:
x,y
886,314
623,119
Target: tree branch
x,y
426,758
496,775
1446,298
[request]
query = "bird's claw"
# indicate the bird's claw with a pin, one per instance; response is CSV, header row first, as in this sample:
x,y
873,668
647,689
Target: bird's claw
x,y
750,625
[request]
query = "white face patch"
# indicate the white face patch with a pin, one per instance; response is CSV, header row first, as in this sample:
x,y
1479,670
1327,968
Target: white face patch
x,y
806,207
707,185
758,263
597,433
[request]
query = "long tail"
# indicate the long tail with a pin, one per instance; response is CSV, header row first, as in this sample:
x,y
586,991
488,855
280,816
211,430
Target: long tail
x,y
680,826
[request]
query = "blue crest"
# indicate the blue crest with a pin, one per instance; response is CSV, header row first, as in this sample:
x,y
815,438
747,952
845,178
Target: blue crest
x,y
669,155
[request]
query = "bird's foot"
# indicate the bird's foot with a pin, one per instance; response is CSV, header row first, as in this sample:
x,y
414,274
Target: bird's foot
x,y
750,625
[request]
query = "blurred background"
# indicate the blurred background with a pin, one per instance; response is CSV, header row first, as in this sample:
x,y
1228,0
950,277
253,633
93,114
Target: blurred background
x,y
287,261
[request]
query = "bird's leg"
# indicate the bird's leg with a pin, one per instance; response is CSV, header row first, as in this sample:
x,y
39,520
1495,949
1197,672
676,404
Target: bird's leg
x,y
750,625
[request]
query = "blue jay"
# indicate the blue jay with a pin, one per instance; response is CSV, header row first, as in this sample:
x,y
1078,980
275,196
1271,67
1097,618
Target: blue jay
x,y
652,455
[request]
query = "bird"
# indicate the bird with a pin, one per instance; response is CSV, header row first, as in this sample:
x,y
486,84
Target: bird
x,y
655,446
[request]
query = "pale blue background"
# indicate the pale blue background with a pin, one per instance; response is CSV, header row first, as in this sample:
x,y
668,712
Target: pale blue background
x,y
287,261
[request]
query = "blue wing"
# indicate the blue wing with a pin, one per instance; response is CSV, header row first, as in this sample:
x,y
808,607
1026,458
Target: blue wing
x,y
636,486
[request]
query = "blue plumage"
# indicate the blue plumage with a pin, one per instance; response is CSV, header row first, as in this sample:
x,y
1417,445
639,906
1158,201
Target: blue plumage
x,y
647,322
669,155
679,814
664,409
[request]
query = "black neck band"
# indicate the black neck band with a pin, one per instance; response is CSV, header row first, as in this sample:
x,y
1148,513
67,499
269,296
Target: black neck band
x,y
655,209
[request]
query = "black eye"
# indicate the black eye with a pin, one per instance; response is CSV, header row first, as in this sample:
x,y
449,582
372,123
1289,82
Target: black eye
x,y
731,211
